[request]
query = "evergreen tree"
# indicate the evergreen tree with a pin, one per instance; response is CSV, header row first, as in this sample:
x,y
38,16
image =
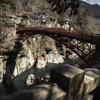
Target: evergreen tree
x,y
83,20
61,19
62,5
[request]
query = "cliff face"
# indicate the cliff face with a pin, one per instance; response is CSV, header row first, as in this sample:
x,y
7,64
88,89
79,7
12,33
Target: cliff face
x,y
36,51
94,9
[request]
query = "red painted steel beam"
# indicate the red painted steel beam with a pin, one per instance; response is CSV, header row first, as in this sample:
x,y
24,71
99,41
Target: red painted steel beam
x,y
63,31
49,32
61,41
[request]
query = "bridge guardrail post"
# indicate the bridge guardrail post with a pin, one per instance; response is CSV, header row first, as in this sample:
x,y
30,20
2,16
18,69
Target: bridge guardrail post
x,y
66,31
50,29
82,34
91,36
98,39
54,30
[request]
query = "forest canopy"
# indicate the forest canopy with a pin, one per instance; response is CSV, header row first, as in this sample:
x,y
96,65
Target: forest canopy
x,y
60,6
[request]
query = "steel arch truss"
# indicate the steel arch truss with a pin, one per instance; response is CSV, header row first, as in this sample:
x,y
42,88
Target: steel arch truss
x,y
83,49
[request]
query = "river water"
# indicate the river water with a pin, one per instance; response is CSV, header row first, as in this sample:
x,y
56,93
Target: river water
x,y
19,83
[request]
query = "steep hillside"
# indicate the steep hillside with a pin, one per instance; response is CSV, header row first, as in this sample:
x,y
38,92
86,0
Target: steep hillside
x,y
26,6
94,9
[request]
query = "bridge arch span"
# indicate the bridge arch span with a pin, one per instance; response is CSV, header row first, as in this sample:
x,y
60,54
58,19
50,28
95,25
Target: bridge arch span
x,y
72,40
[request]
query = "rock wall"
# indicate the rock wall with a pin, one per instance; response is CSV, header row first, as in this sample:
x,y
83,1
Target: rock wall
x,y
24,62
54,57
1,69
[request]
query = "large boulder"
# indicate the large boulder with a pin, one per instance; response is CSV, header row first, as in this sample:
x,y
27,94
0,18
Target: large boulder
x,y
30,80
23,64
54,57
41,63
73,56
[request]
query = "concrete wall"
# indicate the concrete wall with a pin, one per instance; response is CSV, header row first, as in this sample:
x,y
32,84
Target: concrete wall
x,y
67,83
46,91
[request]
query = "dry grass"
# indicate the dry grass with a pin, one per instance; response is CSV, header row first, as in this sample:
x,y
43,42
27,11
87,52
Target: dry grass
x,y
7,39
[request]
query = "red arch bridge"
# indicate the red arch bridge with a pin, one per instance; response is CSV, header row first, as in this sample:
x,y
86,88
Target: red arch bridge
x,y
82,43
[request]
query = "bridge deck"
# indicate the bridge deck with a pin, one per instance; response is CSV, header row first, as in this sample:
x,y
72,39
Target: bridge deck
x,y
83,36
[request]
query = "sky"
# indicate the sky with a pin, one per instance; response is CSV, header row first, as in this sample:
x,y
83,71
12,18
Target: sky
x,y
92,1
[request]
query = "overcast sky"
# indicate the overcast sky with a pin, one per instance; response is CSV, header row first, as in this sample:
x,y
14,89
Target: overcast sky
x,y
92,1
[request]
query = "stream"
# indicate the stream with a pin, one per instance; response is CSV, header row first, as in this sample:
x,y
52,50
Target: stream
x,y
19,82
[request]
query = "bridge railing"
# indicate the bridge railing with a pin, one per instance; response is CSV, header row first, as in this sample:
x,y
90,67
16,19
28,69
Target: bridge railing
x,y
80,34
